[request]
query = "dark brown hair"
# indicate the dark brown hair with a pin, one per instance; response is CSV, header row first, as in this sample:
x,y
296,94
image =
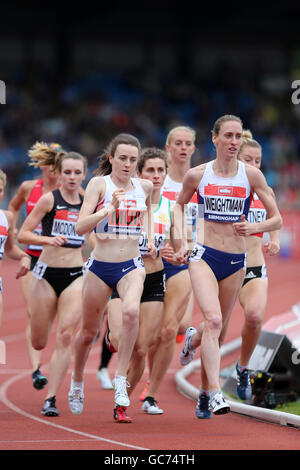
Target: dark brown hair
x,y
151,152
104,167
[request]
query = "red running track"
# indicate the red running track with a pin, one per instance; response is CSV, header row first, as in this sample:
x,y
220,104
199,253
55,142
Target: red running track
x,y
24,428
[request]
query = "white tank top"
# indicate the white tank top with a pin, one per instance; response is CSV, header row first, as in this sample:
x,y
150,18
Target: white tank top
x,y
224,199
128,219
257,213
162,224
171,190
3,232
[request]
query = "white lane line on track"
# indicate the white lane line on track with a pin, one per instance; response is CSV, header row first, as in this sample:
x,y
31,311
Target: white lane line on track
x,y
9,404
46,440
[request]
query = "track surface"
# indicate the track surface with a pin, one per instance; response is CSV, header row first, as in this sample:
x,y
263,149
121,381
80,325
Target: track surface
x,y
24,428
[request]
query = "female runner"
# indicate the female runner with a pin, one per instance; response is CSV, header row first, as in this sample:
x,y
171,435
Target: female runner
x,y
218,260
7,242
254,292
29,193
115,206
152,166
56,286
178,303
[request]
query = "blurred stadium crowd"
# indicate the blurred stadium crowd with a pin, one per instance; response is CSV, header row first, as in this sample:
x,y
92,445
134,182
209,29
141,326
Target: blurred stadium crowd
x,y
82,112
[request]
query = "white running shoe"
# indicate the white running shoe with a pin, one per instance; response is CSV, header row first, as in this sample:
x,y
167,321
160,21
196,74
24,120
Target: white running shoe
x,y
104,379
120,385
150,406
218,403
75,398
187,354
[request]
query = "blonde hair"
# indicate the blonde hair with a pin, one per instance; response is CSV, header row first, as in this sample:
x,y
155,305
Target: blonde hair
x,y
42,154
248,141
3,177
180,128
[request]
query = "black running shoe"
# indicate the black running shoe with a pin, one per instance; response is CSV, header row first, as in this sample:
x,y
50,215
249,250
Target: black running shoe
x,y
202,408
39,380
49,408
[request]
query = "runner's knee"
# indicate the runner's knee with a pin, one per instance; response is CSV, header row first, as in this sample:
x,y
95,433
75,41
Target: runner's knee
x,y
214,324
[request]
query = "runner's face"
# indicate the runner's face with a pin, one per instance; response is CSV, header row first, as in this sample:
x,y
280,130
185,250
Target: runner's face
x,y
124,161
72,174
229,139
49,173
251,155
154,170
181,146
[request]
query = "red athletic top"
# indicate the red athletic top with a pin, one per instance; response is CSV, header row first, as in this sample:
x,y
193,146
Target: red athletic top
x,y
34,196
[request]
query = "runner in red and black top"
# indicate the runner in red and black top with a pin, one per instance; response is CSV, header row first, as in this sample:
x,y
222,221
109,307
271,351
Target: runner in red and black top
x,y
56,286
29,193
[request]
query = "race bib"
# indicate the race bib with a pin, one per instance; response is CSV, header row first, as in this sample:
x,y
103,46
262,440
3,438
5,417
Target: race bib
x,y
39,269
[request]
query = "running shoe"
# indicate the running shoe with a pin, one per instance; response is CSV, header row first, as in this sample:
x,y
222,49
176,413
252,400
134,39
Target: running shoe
x,y
104,379
150,407
187,354
39,380
108,343
76,398
218,403
203,408
120,385
120,415
243,386
145,391
49,408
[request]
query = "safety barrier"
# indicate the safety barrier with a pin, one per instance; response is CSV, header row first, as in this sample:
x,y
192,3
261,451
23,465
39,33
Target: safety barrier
x,y
188,390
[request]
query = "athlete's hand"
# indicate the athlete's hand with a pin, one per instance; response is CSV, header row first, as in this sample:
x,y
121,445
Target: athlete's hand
x,y
181,256
117,197
243,228
59,240
272,248
24,267
167,252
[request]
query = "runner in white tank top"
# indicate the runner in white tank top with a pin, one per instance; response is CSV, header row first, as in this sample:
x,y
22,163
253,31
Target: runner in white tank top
x,y
115,261
7,243
217,262
152,166
178,303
